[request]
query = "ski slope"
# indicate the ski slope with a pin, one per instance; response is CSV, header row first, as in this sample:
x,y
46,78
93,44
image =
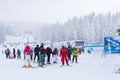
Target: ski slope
x,y
89,67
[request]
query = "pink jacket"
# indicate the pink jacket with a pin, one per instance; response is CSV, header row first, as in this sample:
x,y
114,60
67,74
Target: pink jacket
x,y
27,50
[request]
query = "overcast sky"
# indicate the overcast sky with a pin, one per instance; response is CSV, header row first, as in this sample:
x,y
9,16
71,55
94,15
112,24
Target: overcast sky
x,y
51,11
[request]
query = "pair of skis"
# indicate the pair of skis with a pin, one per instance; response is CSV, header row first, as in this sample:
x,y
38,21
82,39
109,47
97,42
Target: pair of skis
x,y
67,65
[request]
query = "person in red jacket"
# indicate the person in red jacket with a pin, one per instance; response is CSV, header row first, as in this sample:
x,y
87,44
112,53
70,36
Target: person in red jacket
x,y
27,55
63,55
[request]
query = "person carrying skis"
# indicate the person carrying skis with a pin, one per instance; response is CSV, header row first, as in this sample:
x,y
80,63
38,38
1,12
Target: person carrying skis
x,y
27,55
64,55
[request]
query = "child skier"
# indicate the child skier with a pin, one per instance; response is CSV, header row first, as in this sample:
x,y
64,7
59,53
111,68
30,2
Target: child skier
x,y
31,54
55,55
75,54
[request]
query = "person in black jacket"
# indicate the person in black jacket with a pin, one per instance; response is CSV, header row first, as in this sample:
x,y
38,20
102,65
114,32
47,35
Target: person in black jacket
x,y
69,52
48,53
8,53
14,53
36,53
18,54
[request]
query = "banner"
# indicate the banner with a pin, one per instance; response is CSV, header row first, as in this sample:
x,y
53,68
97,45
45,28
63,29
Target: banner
x,y
112,44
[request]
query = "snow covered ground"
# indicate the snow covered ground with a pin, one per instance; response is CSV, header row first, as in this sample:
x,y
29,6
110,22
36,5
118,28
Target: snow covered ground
x,y
90,67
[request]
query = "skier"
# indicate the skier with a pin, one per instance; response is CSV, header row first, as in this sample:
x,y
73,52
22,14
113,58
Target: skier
x,y
8,53
18,54
27,56
41,56
36,53
55,55
69,52
31,54
14,53
48,52
63,55
75,54
11,56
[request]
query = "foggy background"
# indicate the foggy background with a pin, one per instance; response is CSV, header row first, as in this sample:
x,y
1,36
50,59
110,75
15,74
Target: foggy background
x,y
60,20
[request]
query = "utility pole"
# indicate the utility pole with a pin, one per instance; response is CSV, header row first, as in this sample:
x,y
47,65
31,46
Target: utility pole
x,y
27,36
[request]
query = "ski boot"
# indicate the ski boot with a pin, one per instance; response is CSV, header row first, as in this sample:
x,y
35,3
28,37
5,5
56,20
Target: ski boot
x,y
29,65
38,64
24,66
67,64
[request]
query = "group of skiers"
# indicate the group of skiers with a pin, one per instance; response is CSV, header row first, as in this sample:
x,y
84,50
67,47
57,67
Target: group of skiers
x,y
12,54
41,53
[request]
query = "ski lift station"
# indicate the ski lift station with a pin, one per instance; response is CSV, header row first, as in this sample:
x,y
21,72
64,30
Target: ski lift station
x,y
73,43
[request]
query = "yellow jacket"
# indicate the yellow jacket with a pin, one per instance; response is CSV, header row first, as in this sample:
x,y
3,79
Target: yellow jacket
x,y
75,52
